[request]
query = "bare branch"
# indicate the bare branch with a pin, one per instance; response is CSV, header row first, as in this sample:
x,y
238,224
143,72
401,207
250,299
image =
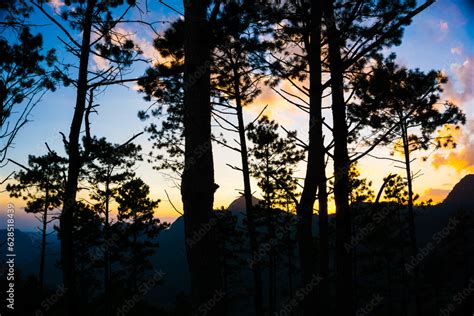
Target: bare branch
x,y
171,8
19,164
259,114
172,205
7,178
52,19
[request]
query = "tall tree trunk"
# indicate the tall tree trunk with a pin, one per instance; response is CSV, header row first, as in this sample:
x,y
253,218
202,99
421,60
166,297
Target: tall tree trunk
x,y
313,175
134,254
411,216
43,240
197,186
341,167
403,272
289,254
272,264
323,243
67,217
106,249
257,274
316,106
388,262
226,269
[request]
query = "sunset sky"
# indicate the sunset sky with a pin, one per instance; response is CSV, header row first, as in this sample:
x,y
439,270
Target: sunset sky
x,y
439,38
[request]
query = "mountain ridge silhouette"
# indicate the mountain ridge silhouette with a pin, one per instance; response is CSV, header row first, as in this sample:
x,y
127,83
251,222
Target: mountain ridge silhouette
x,y
171,254
462,193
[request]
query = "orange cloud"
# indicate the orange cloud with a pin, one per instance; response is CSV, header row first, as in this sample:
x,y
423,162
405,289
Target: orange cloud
x,y
436,195
459,90
460,158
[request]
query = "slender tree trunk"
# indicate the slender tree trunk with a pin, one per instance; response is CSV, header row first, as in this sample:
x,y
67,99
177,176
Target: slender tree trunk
x,y
268,216
411,217
43,240
197,186
134,255
106,248
272,265
256,269
226,269
323,224
355,261
290,255
403,274
388,263
313,175
316,104
341,167
67,217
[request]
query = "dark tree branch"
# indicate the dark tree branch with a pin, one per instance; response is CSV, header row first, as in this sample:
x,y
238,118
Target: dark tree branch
x,y
172,205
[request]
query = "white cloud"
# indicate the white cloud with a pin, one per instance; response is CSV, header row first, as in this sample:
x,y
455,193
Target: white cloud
x,y
460,87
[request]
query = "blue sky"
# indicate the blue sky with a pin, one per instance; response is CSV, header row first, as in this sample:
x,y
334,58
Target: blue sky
x,y
439,38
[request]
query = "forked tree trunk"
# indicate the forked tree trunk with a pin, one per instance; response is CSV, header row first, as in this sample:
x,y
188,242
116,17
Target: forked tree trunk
x,y
197,186
67,217
341,167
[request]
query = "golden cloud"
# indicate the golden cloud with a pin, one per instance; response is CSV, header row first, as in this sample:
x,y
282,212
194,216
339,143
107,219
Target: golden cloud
x,y
459,90
436,195
460,158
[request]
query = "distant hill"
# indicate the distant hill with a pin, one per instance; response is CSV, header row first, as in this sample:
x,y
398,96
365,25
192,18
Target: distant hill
x,y
432,219
238,205
28,253
462,193
171,254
